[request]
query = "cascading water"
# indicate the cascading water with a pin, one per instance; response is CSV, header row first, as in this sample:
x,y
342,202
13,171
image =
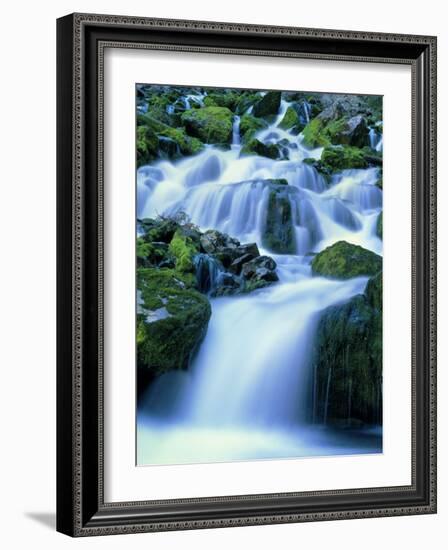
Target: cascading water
x,y
236,140
375,140
246,394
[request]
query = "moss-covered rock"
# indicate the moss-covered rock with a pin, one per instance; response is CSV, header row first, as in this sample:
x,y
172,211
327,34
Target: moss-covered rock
x,y
249,125
269,104
334,127
257,147
374,291
172,320
278,232
343,260
355,132
147,145
183,249
209,124
337,158
290,119
222,98
153,254
246,101
163,140
158,230
347,369
317,133
379,226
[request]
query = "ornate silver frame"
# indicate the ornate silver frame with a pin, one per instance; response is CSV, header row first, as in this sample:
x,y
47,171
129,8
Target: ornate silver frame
x,y
82,39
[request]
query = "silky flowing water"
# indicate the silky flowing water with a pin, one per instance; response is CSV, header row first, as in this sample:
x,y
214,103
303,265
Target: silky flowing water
x,y
248,391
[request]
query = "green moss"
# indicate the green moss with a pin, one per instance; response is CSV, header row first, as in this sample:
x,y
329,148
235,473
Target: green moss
x,y
321,133
171,322
209,124
141,333
268,105
256,147
183,249
147,145
187,145
160,230
334,128
249,125
222,98
313,134
290,119
337,158
344,260
144,249
245,101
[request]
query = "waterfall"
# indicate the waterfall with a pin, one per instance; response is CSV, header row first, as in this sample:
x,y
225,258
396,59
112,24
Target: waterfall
x,y
208,271
306,110
250,387
236,140
379,145
373,138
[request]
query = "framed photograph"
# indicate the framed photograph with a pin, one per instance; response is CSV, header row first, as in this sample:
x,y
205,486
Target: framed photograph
x,y
246,274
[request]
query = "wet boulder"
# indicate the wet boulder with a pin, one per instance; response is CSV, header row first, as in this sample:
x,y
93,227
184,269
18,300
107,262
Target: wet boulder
x,y
213,241
246,101
170,140
209,124
291,120
335,126
257,147
172,320
269,104
147,145
237,264
249,126
343,260
159,230
347,367
168,148
248,248
222,98
153,254
339,157
227,284
278,233
259,267
355,132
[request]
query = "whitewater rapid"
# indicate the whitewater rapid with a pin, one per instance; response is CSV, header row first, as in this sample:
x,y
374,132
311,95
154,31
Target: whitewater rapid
x,y
247,393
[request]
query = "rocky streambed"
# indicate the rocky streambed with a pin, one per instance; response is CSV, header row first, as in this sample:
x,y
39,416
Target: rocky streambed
x,y
259,274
